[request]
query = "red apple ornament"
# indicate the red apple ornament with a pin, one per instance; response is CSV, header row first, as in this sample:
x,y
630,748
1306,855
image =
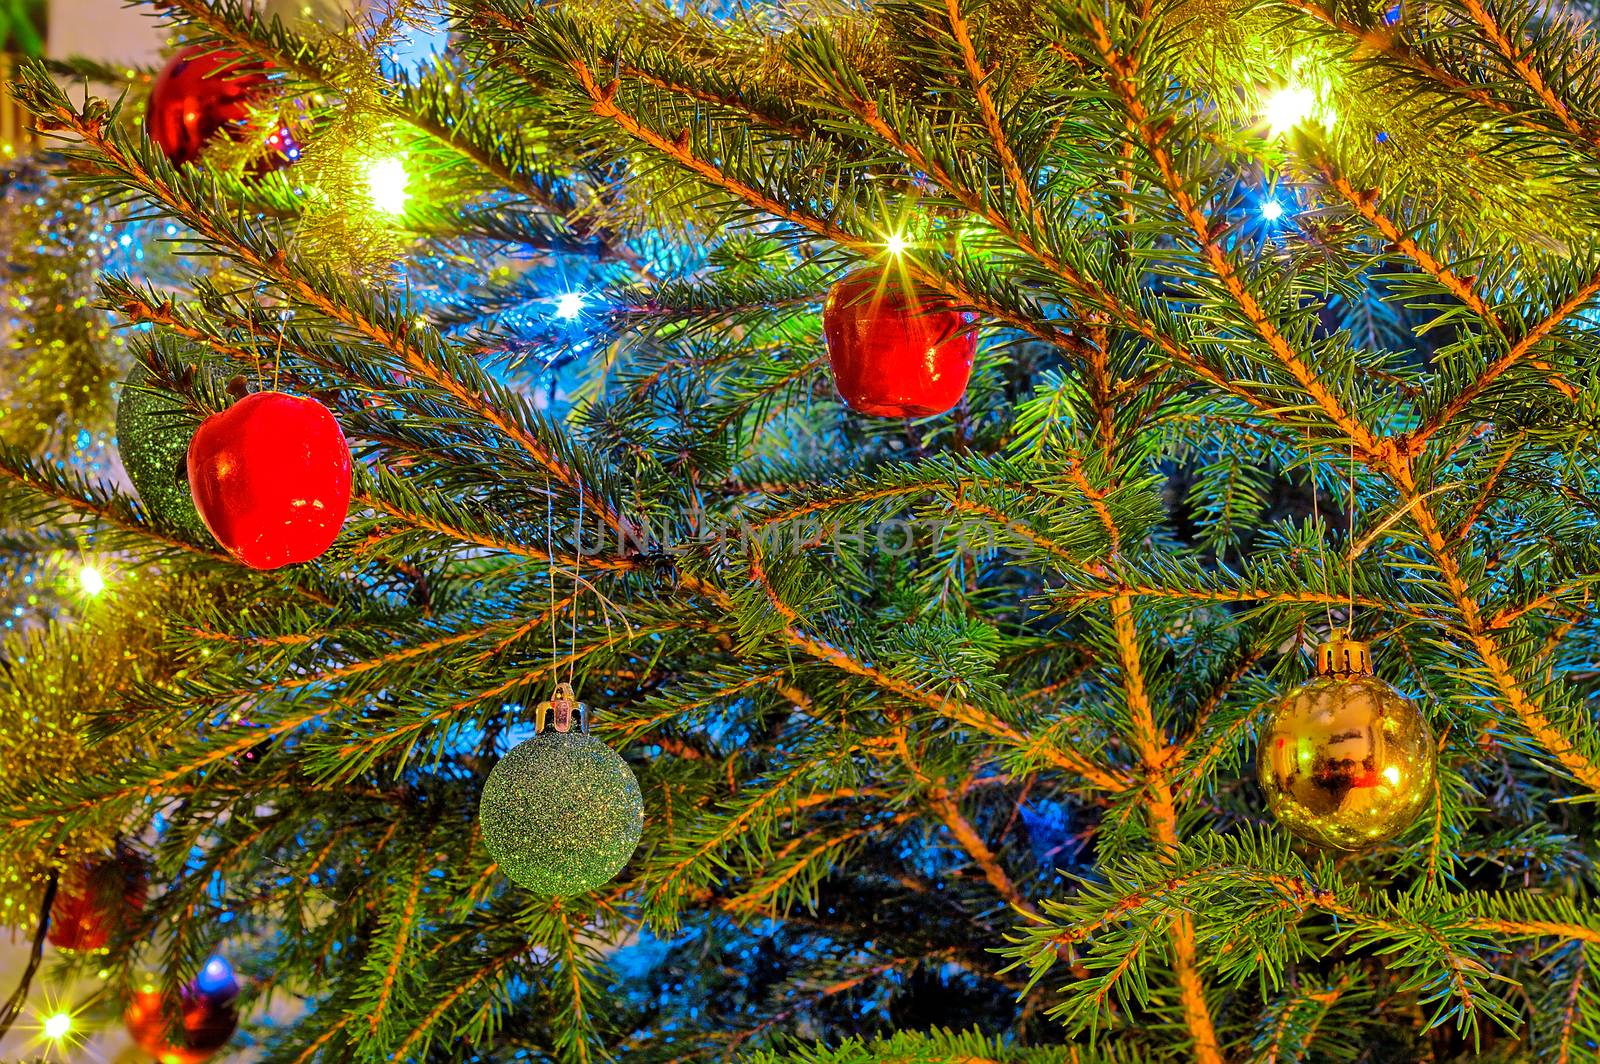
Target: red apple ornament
x,y
897,349
270,476
203,92
97,900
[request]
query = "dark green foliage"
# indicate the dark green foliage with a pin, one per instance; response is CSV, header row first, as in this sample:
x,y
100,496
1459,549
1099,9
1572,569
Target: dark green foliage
x,y
937,1047
942,724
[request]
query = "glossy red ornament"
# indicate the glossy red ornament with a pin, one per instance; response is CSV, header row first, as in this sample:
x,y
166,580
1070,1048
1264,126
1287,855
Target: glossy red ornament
x,y
97,900
191,1028
202,92
897,349
270,476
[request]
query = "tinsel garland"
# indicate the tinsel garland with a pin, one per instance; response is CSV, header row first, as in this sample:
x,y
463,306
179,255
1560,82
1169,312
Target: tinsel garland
x,y
58,354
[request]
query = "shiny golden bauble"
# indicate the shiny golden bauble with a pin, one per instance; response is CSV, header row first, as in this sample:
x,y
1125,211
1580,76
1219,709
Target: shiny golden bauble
x,y
1345,760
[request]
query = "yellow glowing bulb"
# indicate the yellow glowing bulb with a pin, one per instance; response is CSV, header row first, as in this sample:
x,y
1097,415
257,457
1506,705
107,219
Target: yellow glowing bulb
x,y
58,1026
386,184
1392,774
91,580
1290,106
895,244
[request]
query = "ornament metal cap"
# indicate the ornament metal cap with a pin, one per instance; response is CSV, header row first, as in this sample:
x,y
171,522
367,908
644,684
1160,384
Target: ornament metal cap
x,y
1343,656
563,706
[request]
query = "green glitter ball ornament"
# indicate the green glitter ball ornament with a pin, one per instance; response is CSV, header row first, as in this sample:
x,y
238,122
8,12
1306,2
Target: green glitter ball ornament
x,y
561,813
153,438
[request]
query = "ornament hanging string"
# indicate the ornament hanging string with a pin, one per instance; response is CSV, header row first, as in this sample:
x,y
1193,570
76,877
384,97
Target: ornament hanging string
x,y
277,353
285,315
1316,519
550,571
579,584
577,575
283,318
1350,538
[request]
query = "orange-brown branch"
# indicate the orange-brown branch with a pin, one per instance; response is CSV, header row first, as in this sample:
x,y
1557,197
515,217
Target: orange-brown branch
x,y
1484,496
603,102
1482,638
1514,56
1518,351
961,31
954,709
1154,752
1151,136
967,837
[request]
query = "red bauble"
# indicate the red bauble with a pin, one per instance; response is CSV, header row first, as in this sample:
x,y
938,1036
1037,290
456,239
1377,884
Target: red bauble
x,y
201,93
98,900
187,1031
270,476
897,349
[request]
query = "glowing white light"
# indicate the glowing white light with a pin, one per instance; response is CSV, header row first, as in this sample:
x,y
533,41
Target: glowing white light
x,y
386,184
1272,210
895,244
57,1026
569,306
91,580
1290,106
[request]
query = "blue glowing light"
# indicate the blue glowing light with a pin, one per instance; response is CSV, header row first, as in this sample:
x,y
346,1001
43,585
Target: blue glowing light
x,y
216,977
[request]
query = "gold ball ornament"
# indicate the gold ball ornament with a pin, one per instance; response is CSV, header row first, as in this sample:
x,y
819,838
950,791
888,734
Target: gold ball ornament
x,y
1345,760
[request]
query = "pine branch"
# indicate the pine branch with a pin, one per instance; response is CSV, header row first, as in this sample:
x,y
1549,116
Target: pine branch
x,y
1382,40
177,195
603,99
961,30
1516,60
1571,756
961,829
1121,74
1155,754
1516,353
961,712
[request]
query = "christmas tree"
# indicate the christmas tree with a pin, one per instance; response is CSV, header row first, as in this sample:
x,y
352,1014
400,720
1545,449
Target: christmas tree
x,y
938,530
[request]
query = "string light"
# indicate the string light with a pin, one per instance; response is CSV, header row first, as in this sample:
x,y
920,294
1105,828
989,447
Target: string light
x,y
216,977
56,1026
895,245
569,306
91,580
281,140
1290,106
1272,210
386,184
